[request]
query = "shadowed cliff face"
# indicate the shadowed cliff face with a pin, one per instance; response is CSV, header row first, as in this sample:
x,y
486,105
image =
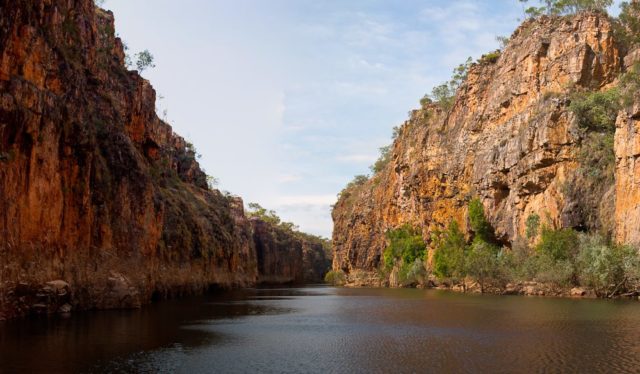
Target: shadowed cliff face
x,y
95,189
508,139
288,257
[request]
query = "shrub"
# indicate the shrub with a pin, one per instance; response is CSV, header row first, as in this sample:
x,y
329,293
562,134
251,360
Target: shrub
x,y
450,249
503,41
630,83
628,25
557,7
558,244
412,273
383,160
608,268
482,262
596,111
426,100
444,94
490,58
405,243
546,269
481,228
145,60
533,224
335,278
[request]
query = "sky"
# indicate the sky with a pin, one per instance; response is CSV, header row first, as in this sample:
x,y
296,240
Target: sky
x,y
287,100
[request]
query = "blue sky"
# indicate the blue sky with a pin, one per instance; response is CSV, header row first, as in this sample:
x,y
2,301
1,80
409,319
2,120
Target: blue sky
x,y
287,100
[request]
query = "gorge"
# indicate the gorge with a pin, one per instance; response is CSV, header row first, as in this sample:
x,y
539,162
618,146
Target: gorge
x,y
102,205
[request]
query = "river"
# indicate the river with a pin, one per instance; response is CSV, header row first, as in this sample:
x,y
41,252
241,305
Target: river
x,y
333,330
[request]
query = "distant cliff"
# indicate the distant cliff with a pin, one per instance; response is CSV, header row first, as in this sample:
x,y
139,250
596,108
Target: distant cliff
x,y
510,139
98,196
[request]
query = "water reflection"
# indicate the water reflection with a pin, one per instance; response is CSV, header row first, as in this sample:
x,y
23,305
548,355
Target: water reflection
x,y
322,329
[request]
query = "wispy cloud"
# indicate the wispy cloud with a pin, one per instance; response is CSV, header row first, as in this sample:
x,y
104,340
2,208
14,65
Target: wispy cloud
x,y
357,158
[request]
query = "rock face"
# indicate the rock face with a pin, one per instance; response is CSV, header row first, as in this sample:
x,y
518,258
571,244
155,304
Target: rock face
x,y
509,139
288,257
95,189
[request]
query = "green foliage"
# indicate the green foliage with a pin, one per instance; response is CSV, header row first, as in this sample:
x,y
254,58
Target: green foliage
x,y
450,249
481,228
597,158
562,7
383,160
608,268
490,58
503,41
532,224
426,100
335,278
405,243
630,84
628,26
558,244
412,273
396,131
482,262
256,210
144,61
444,94
596,111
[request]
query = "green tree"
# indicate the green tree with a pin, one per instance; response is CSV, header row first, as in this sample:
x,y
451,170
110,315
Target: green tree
x,y
383,160
532,224
608,268
629,22
558,244
404,243
449,255
144,61
479,225
596,111
482,262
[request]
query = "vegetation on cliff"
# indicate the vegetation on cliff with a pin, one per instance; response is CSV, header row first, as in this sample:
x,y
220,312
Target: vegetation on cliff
x,y
545,144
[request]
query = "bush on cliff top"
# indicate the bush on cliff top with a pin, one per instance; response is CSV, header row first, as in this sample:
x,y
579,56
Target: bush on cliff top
x,y
565,7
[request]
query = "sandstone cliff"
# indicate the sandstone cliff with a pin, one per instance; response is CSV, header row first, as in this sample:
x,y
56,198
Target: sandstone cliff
x,y
510,140
288,257
96,192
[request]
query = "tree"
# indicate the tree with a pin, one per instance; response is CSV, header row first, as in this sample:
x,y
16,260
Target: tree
x,y
481,228
482,262
608,268
629,21
383,160
558,244
450,248
533,224
404,243
144,60
559,7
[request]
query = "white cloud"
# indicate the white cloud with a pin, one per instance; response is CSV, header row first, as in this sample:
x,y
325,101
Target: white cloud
x,y
288,178
305,200
357,158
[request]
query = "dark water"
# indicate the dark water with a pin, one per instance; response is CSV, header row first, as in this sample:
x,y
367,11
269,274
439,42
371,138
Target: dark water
x,y
328,330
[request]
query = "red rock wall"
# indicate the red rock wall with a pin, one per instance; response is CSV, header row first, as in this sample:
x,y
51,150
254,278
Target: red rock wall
x,y
95,189
509,139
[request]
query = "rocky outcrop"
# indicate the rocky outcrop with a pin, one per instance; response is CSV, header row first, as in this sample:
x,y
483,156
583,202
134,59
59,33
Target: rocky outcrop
x,y
95,190
627,147
286,256
509,139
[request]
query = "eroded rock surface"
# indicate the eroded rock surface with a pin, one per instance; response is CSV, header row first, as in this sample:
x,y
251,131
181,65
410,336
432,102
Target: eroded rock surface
x,y
509,139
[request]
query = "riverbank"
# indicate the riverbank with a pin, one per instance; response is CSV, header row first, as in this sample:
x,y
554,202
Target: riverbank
x,y
362,279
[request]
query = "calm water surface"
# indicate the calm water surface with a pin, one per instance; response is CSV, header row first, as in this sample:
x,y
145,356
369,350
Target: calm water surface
x,y
331,330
